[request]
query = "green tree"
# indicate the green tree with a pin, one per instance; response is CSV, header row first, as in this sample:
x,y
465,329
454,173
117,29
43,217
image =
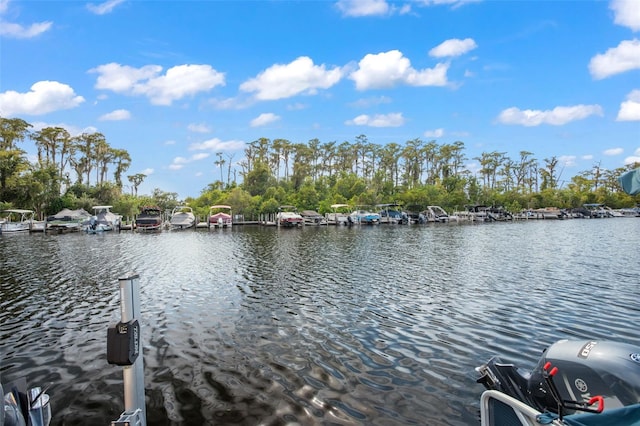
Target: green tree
x,y
13,160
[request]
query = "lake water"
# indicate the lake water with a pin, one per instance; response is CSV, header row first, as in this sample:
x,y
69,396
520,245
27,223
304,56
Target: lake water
x,y
375,325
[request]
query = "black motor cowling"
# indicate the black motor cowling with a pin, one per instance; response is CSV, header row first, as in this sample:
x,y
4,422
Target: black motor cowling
x,y
585,369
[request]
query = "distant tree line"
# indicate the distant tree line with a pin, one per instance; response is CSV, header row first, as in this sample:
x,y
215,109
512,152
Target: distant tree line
x,y
75,171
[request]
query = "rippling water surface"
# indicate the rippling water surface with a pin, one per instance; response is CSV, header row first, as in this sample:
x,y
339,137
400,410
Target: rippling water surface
x,y
373,325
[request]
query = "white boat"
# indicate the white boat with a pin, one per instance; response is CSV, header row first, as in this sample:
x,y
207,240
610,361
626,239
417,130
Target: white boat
x,y
182,217
220,216
595,210
630,212
16,220
339,216
67,220
393,214
364,217
612,213
435,214
312,217
289,217
103,219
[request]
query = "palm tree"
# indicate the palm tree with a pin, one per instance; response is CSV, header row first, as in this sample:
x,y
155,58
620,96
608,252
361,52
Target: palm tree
x,y
102,158
220,162
12,159
86,145
276,156
135,181
122,161
12,130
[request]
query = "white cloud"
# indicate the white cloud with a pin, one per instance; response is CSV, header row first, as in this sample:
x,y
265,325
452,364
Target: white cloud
x,y
454,3
613,151
216,145
179,162
391,68
587,157
44,97
178,82
627,13
300,76
453,47
104,8
379,120
625,57
557,116
14,30
297,106
437,133
630,109
11,29
198,128
123,78
633,158
369,102
72,129
233,103
147,172
199,156
359,8
117,115
264,119
363,7
567,160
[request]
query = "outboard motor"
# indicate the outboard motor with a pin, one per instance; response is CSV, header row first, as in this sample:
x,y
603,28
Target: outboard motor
x,y
584,371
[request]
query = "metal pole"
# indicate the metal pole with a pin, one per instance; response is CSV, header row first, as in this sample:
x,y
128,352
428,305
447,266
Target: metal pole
x,y
133,375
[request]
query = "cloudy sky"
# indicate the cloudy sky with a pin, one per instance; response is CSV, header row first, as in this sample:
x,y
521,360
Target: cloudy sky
x,y
176,82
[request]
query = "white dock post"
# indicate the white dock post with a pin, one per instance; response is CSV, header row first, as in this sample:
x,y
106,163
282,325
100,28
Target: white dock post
x,y
133,375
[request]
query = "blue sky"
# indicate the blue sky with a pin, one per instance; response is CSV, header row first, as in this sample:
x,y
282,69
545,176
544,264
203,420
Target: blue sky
x,y
175,82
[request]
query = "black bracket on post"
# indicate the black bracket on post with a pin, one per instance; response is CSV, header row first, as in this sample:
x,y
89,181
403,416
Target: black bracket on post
x,y
123,343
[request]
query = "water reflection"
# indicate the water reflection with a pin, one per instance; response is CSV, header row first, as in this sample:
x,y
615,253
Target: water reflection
x,y
374,325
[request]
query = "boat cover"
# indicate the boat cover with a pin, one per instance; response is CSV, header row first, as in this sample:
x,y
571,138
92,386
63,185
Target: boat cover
x,y
630,182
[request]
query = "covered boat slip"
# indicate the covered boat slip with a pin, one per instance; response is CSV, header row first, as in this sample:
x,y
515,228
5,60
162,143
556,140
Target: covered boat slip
x,y
67,220
103,219
497,409
16,220
220,216
149,219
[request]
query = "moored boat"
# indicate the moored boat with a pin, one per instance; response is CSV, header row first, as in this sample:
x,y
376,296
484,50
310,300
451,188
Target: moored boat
x,y
16,220
182,217
288,217
103,220
392,214
312,217
220,216
364,217
67,220
149,219
339,216
595,210
434,214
